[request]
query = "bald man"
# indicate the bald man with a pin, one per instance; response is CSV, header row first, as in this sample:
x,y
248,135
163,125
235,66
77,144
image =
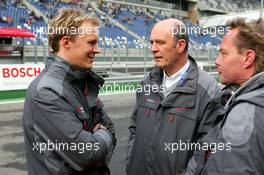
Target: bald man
x,y
176,105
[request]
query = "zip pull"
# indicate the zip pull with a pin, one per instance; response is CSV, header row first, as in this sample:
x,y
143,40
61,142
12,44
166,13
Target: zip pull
x,y
147,112
85,125
85,90
171,117
207,154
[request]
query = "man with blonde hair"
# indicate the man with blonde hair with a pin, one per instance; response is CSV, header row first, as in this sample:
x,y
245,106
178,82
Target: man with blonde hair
x,y
66,129
238,138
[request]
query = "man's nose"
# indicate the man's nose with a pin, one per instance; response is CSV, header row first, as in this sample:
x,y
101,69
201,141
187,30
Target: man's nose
x,y
96,49
154,47
217,60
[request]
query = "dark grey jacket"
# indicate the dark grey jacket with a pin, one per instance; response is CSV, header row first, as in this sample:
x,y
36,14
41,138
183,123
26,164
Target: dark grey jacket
x,y
242,130
158,125
60,110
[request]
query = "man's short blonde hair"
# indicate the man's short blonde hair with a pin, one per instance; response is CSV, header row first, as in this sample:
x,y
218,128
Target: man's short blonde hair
x,y
64,23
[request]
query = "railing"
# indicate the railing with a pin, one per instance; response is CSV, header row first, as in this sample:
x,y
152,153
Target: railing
x,y
124,60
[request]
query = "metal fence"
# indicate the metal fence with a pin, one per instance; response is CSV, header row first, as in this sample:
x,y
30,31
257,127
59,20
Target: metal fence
x,y
114,59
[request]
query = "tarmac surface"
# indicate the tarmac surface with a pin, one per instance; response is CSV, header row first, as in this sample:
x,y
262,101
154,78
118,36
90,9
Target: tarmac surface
x,y
12,154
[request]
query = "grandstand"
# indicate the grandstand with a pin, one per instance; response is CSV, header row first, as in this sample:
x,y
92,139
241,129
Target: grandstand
x,y
125,27
228,6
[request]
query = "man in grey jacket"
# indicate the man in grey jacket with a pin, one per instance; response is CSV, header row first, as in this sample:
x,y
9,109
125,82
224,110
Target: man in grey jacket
x,y
65,127
240,61
179,107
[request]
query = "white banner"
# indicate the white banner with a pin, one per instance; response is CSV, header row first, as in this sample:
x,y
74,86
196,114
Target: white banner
x,y
18,76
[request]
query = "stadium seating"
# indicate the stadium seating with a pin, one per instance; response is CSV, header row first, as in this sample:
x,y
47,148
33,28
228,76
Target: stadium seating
x,y
20,19
112,35
230,5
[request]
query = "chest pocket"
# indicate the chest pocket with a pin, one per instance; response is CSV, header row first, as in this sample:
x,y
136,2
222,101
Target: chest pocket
x,y
148,108
181,112
179,105
180,122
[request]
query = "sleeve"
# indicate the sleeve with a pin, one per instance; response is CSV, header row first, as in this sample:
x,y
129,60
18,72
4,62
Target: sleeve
x,y
57,123
209,110
198,160
244,155
132,134
192,165
106,121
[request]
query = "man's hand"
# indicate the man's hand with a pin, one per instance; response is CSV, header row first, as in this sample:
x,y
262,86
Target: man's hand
x,y
98,126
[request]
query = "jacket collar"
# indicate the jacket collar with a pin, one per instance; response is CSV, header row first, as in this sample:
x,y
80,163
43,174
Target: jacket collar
x,y
251,91
255,82
189,83
70,72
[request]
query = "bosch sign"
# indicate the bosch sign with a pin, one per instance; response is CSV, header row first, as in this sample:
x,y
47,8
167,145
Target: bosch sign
x,y
18,76
21,72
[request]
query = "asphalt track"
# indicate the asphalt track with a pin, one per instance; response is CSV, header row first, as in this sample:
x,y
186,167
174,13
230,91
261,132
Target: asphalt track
x,y
12,155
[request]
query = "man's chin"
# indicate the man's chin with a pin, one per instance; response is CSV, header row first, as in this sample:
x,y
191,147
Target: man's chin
x,y
222,81
87,67
159,66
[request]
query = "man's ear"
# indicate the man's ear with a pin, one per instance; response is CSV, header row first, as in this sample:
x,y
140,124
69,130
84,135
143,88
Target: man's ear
x,y
250,58
65,42
181,45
